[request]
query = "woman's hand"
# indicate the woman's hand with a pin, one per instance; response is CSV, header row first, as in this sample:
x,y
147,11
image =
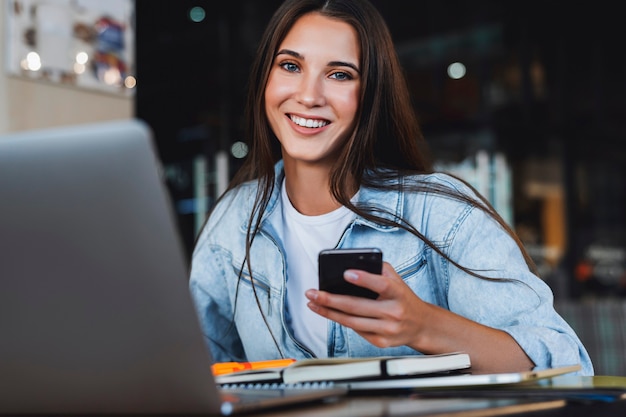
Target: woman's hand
x,y
393,319
399,317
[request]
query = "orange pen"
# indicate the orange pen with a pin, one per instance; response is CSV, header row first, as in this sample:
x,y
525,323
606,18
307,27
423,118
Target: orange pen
x,y
222,368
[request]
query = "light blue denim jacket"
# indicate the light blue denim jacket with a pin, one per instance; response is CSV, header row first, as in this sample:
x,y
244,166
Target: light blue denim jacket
x,y
236,331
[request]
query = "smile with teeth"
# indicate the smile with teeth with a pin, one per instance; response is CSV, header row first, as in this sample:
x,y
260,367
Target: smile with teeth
x,y
300,121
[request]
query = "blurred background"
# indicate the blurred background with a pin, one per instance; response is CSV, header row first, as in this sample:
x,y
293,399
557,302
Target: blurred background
x,y
524,99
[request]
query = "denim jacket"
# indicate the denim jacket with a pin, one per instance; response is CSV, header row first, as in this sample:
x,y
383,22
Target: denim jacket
x,y
235,330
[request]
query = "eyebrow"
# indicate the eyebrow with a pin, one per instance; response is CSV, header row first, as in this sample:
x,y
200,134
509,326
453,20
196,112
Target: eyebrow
x,y
331,63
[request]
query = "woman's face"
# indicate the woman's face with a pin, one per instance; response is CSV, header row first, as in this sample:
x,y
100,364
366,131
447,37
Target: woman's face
x,y
312,93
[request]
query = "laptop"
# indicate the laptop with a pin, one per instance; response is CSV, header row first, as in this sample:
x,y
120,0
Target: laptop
x,y
95,312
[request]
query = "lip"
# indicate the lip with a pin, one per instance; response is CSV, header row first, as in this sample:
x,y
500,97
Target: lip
x,y
311,120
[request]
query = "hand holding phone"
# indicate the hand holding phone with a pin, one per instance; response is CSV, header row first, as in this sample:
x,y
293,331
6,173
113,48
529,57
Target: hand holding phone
x,y
333,262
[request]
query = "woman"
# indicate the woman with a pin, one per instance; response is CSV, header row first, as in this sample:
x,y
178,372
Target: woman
x,y
337,159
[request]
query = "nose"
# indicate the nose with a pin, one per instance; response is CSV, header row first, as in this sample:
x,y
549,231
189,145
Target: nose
x,y
311,91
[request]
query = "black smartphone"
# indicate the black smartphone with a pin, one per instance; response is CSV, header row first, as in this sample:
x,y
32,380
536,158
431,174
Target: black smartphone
x,y
333,262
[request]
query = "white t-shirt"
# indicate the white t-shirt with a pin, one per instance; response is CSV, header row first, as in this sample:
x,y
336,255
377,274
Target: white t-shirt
x,y
304,237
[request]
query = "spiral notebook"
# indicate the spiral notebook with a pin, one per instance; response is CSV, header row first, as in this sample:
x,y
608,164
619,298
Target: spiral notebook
x,y
95,312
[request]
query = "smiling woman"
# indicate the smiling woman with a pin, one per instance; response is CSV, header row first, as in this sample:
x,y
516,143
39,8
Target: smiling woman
x,y
337,160
311,100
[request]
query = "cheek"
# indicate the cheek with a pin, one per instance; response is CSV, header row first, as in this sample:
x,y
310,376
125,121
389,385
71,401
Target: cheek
x,y
348,103
269,98
275,92
270,103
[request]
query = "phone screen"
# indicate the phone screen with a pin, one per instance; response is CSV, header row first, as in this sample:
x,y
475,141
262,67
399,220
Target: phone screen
x,y
333,263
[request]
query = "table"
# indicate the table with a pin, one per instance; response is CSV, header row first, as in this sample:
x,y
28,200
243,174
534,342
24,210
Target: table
x,y
407,406
564,396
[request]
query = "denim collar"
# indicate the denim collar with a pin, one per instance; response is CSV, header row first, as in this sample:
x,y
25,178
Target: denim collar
x,y
389,202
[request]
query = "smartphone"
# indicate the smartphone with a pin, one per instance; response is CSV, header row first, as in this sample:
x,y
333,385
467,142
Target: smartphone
x,y
333,262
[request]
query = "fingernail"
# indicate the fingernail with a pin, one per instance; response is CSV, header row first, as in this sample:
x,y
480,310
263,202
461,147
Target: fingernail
x,y
350,275
311,295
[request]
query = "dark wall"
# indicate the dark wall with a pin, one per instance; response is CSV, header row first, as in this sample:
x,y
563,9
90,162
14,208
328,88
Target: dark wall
x,y
545,80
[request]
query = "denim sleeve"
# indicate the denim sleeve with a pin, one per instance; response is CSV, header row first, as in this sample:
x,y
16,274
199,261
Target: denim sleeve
x,y
522,307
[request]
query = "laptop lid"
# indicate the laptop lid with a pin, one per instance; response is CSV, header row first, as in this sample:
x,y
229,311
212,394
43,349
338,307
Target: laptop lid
x,y
95,311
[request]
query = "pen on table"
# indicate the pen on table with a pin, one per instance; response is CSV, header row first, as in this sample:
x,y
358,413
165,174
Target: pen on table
x,y
222,368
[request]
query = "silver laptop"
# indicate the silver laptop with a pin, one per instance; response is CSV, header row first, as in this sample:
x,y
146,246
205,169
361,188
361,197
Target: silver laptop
x,y
95,313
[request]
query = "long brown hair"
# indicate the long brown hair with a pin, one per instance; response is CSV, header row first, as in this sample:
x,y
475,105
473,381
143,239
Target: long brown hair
x,y
387,142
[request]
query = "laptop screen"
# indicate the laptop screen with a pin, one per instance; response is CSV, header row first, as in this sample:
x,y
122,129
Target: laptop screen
x,y
95,313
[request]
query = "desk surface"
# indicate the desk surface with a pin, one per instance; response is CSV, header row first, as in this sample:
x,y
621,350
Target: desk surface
x,y
567,396
411,406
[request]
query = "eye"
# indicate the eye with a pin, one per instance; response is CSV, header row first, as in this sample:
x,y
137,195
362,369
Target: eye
x,y
289,66
341,76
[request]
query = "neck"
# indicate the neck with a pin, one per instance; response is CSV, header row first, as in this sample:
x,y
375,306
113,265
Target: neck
x,y
308,189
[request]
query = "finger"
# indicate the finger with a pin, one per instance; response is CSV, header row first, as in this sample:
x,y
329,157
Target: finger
x,y
381,284
374,330
389,271
346,304
379,330
358,323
